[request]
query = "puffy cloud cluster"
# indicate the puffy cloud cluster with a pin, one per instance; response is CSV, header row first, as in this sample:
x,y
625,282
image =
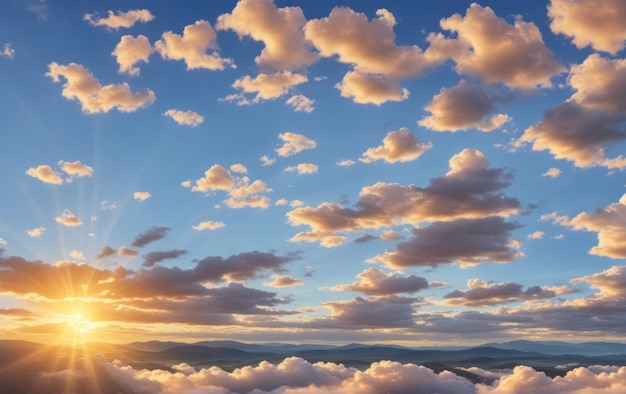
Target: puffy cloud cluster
x,y
47,174
461,107
208,225
376,282
294,143
131,50
280,281
141,196
581,128
303,168
301,103
481,293
590,23
280,30
470,190
117,20
68,219
398,146
265,86
192,46
187,118
81,85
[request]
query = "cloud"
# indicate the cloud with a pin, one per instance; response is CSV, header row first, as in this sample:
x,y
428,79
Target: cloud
x,y
346,163
187,118
489,48
609,223
215,178
588,24
294,143
141,196
301,103
280,30
36,232
116,20
152,234
374,312
610,282
68,219
153,258
108,251
130,51
192,47
7,51
46,174
482,294
239,168
283,281
3,241
248,201
209,225
552,172
390,235
376,282
536,235
107,206
581,128
267,161
398,146
462,107
469,190
464,241
81,85
78,255
265,86
303,168
374,89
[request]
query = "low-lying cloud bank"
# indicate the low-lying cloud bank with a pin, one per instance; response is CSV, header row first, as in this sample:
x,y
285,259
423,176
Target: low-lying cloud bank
x,y
297,376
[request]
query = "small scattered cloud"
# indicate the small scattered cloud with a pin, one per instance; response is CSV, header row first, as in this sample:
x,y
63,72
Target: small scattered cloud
x,y
186,118
3,241
153,258
150,235
536,235
192,46
68,219
46,174
346,163
119,19
376,282
81,85
239,168
301,103
283,281
303,168
265,87
267,161
294,143
106,205
76,168
36,232
552,172
398,146
141,196
208,225
130,51
7,51
77,255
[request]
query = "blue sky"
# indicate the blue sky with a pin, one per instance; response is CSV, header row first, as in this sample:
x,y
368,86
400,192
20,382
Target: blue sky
x,y
313,172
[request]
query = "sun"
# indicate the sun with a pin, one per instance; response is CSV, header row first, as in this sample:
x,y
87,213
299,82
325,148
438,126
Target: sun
x,y
78,327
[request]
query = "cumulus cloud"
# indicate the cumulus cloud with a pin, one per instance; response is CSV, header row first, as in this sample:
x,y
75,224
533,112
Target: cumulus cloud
x,y
267,161
36,232
536,235
489,48
346,163
81,85
481,293
608,222
141,196
552,172
68,219
208,225
303,168
108,251
283,281
581,128
398,146
130,51
8,51
294,143
215,178
76,168
376,282
301,103
280,30
46,174
265,86
78,255
153,258
242,192
150,235
374,89
239,168
187,118
462,107
465,241
192,46
390,311
469,190
590,23
119,19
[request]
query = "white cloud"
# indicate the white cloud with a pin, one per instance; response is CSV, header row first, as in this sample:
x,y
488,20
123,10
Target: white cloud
x,y
76,168
3,241
187,118
294,143
239,168
346,163
8,51
75,254
116,20
303,168
141,196
68,219
267,161
36,232
129,51
81,85
208,225
301,103
265,86
192,47
536,235
46,174
552,172
107,205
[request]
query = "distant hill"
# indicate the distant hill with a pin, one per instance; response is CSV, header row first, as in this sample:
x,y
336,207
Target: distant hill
x,y
560,348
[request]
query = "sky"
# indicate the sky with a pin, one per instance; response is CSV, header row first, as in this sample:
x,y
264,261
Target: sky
x,y
313,172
